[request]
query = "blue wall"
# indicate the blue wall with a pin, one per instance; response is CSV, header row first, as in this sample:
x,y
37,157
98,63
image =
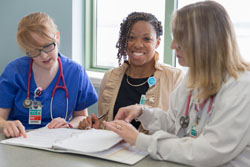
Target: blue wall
x,y
11,11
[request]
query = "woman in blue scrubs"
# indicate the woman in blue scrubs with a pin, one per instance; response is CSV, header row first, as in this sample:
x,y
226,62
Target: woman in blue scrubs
x,y
44,87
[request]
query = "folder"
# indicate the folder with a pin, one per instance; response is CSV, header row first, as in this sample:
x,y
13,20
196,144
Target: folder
x,y
98,143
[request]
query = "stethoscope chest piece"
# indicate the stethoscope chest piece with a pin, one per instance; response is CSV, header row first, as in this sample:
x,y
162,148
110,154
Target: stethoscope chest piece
x,y
27,103
184,121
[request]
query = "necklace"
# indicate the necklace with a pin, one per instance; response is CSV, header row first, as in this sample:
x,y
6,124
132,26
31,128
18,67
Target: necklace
x,y
136,85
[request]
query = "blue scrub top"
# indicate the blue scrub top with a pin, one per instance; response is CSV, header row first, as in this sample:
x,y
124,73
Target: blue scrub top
x,y
13,91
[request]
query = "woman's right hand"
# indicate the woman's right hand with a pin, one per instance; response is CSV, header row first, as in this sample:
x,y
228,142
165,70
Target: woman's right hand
x,y
126,130
129,113
90,122
14,129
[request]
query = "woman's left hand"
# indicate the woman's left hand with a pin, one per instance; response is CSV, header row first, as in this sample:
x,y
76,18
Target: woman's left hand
x,y
58,123
123,129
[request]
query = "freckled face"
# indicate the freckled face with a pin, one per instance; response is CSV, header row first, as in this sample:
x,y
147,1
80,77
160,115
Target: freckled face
x,y
142,43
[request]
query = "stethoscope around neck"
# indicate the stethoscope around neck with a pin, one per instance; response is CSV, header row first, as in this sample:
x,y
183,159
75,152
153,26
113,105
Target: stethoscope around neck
x,y
184,120
28,102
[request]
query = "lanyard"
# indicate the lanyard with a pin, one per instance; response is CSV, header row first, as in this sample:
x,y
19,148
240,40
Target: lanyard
x,y
201,106
27,102
184,120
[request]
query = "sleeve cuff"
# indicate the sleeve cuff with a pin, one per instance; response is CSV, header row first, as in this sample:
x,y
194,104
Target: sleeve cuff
x,y
146,117
143,141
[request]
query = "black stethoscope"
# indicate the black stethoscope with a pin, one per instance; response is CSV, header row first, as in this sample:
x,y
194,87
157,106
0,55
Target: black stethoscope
x,y
184,120
27,103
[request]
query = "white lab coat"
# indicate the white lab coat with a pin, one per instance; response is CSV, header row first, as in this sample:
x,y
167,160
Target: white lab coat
x,y
225,131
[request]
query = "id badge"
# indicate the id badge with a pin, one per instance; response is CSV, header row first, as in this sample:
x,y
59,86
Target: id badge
x,y
194,132
35,113
143,99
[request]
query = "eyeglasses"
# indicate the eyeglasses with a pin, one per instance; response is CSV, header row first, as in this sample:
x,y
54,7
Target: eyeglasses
x,y
48,48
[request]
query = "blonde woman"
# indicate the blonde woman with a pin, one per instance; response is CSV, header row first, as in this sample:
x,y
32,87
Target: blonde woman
x,y
207,123
43,87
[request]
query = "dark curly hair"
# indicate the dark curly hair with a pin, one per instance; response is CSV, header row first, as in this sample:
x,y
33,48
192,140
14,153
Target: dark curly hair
x,y
126,26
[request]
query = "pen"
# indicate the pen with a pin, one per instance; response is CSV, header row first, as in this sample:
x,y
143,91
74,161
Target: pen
x,y
93,122
101,116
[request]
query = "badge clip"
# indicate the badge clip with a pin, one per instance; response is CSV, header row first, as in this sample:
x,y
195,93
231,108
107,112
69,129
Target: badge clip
x,y
151,81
